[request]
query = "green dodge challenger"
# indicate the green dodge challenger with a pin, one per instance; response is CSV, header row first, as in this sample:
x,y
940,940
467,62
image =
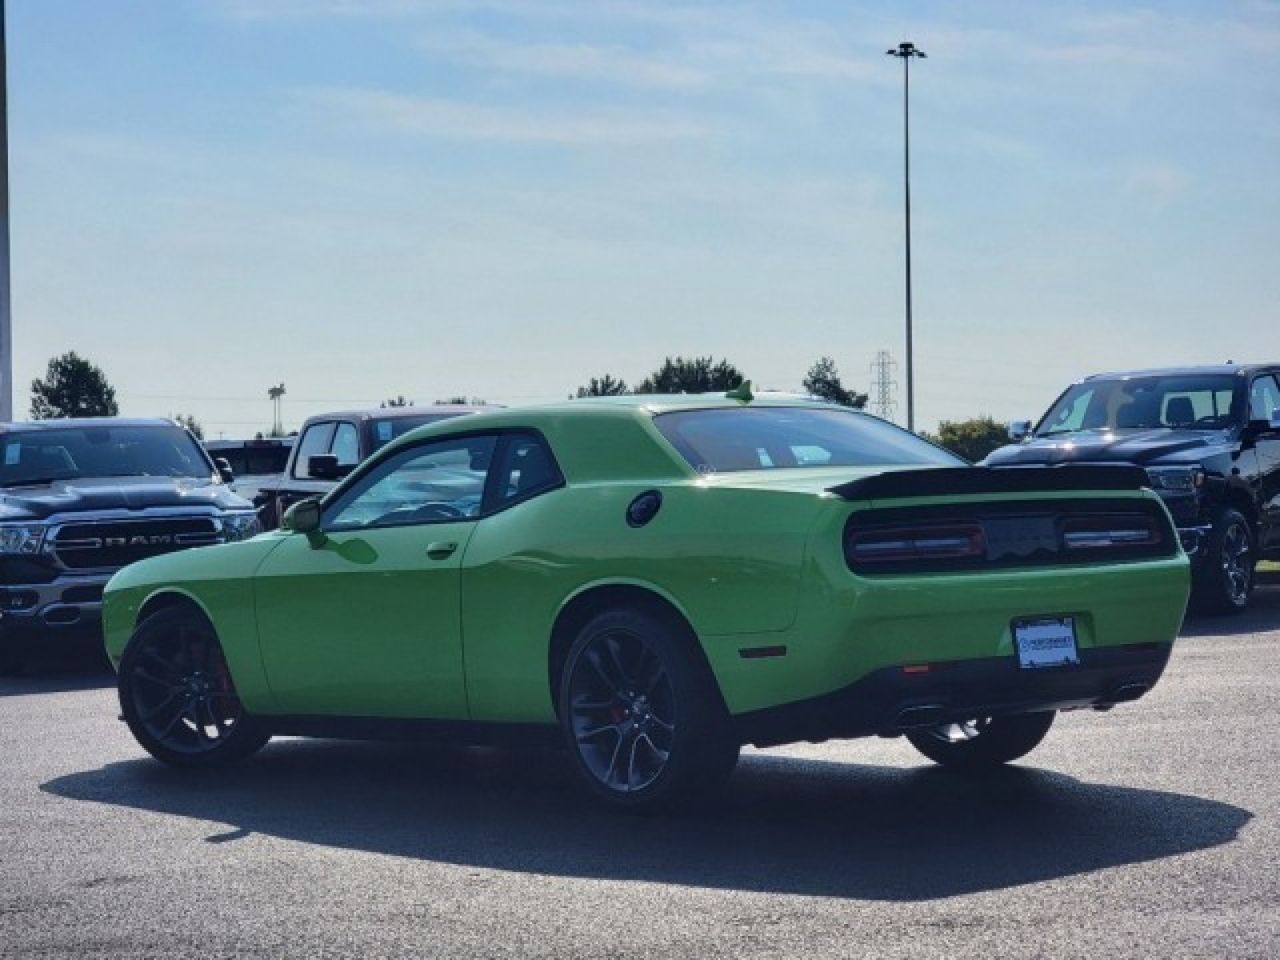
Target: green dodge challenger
x,y
655,581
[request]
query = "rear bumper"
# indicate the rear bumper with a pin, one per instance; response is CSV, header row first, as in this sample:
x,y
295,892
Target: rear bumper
x,y
891,701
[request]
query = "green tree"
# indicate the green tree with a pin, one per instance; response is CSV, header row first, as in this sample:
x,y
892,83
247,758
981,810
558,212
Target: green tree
x,y
972,439
460,401
191,423
72,387
695,375
396,401
606,386
823,380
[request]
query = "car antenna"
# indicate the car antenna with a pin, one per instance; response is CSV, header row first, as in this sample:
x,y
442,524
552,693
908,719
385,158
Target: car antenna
x,y
741,393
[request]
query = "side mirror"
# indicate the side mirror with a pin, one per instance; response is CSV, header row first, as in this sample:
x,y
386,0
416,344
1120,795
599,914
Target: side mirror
x,y
224,469
304,517
325,466
1019,430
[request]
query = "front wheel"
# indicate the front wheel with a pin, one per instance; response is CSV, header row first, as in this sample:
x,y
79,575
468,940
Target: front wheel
x,y
177,696
983,742
1226,577
641,713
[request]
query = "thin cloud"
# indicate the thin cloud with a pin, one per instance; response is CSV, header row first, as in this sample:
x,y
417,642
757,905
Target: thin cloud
x,y
609,63
1160,183
457,120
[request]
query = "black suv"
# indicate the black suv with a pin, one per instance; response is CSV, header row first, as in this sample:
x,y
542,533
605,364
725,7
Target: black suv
x,y
79,499
1209,438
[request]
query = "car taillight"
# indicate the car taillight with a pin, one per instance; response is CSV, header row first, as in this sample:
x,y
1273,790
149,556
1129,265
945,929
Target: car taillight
x,y
1109,532
907,544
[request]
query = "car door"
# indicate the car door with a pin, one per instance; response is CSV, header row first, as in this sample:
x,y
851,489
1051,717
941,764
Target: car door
x,y
362,618
1264,400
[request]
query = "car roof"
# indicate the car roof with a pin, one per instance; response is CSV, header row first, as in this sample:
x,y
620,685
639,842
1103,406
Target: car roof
x,y
1240,369
669,402
625,407
72,423
249,444
396,413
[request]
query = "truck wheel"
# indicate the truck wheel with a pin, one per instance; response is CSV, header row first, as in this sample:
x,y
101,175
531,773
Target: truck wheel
x,y
12,658
983,742
1226,574
177,696
641,713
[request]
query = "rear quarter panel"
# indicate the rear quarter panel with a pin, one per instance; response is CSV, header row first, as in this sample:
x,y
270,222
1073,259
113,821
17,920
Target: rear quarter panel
x,y
729,559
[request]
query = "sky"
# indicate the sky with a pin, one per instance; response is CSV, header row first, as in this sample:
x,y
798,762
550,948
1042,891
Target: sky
x,y
503,199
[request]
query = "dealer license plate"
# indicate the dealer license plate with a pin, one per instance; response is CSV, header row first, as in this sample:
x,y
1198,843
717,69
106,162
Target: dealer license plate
x,y
1046,642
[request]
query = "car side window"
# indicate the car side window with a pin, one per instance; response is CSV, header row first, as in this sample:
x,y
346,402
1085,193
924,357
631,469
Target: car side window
x,y
313,442
528,469
434,482
1264,398
346,445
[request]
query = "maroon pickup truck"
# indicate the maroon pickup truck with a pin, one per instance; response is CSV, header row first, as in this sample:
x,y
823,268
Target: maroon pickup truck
x,y
330,445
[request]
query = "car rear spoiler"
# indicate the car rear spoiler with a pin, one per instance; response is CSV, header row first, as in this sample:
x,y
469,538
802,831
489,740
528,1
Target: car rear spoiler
x,y
939,481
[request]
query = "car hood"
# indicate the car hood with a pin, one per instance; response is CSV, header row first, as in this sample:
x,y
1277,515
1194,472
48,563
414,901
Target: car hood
x,y
115,493
1143,447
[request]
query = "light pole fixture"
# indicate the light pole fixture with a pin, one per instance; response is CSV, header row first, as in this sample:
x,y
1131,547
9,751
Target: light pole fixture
x,y
905,51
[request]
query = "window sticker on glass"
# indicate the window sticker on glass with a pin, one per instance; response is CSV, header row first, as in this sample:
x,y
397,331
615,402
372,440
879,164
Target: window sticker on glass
x,y
384,431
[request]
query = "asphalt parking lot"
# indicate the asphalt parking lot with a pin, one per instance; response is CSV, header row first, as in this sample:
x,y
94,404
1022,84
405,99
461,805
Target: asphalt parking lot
x,y
1153,830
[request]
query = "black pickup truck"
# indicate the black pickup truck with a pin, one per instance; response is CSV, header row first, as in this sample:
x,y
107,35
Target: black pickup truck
x,y
1209,439
79,499
330,445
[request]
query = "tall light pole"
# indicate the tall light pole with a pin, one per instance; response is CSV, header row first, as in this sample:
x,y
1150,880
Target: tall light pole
x,y
905,51
6,334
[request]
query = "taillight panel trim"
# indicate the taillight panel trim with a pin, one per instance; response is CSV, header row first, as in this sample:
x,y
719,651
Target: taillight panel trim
x,y
1022,533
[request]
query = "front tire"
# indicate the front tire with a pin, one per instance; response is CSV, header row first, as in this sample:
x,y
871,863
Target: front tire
x,y
177,695
13,655
983,742
641,712
1226,577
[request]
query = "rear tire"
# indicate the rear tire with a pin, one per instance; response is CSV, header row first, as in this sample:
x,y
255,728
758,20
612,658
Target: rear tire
x,y
13,658
1226,574
983,743
177,695
641,712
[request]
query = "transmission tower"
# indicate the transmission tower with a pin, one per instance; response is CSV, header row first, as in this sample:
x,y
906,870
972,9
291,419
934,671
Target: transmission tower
x,y
884,387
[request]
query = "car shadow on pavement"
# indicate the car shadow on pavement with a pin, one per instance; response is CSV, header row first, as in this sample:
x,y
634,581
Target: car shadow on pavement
x,y
785,825
1262,615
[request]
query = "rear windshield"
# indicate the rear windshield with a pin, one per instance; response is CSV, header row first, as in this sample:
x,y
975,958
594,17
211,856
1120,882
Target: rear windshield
x,y
254,461
384,431
764,438
110,450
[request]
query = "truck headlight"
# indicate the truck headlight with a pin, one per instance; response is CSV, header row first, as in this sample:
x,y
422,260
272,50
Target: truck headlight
x,y
240,526
21,538
1176,479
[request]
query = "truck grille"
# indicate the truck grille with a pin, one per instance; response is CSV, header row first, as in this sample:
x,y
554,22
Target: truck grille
x,y
115,543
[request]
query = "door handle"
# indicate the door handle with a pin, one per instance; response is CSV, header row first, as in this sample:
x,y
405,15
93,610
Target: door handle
x,y
438,551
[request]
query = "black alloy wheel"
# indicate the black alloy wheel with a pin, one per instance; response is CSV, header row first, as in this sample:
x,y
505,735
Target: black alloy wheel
x,y
1226,577
177,694
622,710
641,712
